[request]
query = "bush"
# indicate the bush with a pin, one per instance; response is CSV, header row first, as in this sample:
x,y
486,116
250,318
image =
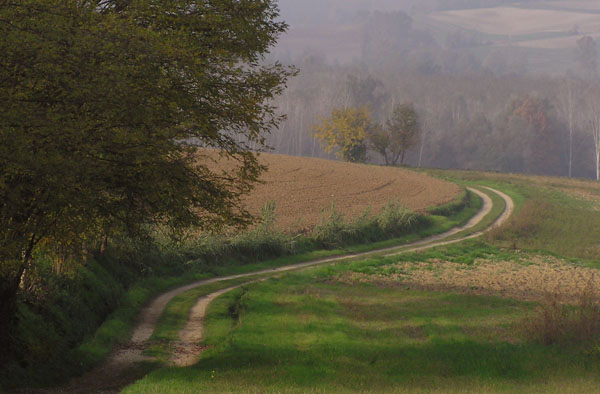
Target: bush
x,y
393,220
558,323
453,207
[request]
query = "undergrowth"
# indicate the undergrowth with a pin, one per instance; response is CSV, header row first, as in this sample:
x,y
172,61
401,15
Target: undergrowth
x,y
558,323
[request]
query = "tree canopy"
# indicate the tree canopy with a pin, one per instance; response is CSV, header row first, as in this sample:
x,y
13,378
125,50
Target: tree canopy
x,y
105,104
401,132
345,132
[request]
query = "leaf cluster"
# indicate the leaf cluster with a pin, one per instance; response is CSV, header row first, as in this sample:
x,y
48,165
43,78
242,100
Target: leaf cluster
x,y
346,131
104,108
351,131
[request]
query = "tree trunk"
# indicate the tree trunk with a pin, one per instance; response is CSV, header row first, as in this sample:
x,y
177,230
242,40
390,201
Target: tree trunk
x,y
597,164
9,287
10,282
103,246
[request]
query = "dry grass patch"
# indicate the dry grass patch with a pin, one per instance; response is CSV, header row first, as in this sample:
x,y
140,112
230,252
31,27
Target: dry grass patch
x,y
532,278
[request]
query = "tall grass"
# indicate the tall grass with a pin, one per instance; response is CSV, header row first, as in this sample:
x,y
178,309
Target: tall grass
x,y
558,323
335,231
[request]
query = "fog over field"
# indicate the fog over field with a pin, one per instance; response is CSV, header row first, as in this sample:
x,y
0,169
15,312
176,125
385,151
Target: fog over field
x,y
498,84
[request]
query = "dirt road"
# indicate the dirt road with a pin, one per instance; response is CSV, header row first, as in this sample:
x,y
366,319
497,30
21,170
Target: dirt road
x,y
124,365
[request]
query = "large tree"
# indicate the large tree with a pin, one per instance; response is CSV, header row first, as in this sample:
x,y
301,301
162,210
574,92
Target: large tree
x,y
400,133
105,104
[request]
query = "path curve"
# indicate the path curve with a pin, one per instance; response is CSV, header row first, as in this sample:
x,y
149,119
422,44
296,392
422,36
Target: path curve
x,y
120,369
187,352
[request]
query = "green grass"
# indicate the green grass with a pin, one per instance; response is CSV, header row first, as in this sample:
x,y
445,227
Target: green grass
x,y
174,318
546,217
175,315
304,333
308,333
117,328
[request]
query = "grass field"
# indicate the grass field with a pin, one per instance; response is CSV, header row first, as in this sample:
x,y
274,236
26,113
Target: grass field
x,y
516,311
309,332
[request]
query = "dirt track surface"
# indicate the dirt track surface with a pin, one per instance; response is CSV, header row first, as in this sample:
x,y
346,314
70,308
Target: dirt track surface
x,y
123,367
303,187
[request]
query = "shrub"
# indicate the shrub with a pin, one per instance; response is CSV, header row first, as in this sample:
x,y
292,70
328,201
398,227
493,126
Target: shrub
x,y
556,322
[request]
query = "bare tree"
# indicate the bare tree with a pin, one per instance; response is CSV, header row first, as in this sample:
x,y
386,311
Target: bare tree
x,y
566,105
591,121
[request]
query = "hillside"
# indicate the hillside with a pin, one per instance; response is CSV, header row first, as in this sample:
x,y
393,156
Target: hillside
x,y
302,187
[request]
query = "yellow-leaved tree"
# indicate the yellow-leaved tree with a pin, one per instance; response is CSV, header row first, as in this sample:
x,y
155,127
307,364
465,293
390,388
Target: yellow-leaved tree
x,y
345,131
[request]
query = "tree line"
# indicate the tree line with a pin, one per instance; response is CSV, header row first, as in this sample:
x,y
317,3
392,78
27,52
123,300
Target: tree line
x,y
350,132
534,124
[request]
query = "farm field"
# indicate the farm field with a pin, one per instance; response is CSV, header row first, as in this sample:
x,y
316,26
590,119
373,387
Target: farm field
x,y
303,187
519,21
544,26
516,311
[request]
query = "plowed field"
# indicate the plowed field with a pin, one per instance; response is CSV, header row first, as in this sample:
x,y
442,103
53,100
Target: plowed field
x,y
303,187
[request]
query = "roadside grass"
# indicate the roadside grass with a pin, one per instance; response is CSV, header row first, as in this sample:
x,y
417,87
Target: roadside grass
x,y
548,216
118,326
176,312
307,333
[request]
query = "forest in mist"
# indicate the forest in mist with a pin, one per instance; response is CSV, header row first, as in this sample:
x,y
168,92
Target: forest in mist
x,y
498,84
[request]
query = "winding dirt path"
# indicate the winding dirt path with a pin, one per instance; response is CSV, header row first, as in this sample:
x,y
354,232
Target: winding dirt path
x,y
126,363
187,351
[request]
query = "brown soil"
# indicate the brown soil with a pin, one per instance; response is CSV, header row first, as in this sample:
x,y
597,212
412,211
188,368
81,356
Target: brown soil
x,y
532,278
302,187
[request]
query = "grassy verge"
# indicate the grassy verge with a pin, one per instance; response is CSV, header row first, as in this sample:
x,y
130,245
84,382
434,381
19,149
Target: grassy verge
x,y
175,315
556,215
174,318
309,333
174,265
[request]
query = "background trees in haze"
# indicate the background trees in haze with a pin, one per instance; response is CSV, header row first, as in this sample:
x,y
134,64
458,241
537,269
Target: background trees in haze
x,y
349,132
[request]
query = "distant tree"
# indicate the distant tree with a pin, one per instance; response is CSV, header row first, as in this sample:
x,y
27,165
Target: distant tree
x,y
587,56
345,132
104,105
568,100
400,133
590,120
543,145
366,91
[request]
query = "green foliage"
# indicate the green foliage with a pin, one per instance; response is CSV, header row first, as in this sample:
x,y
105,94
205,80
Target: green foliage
x,y
393,220
104,107
345,132
400,133
452,207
